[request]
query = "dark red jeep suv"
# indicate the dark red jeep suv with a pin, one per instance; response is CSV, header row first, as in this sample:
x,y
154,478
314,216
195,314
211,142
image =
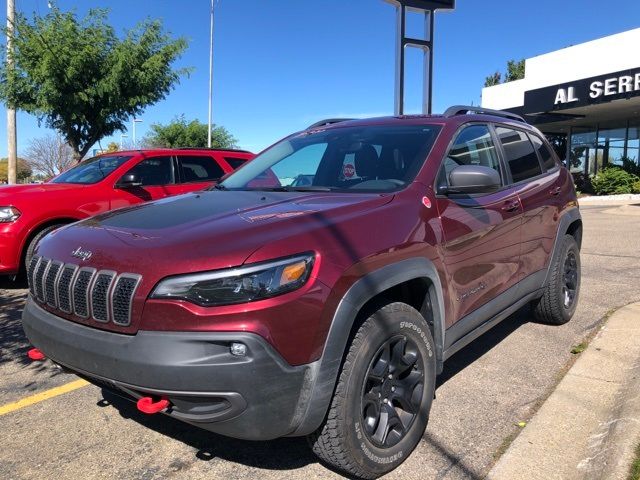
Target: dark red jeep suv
x,y
318,289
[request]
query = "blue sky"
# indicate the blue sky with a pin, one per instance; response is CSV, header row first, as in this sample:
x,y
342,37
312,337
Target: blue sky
x,y
283,64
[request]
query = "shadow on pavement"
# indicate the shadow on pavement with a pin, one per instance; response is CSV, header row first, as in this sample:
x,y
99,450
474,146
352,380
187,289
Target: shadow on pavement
x,y
13,343
280,454
482,345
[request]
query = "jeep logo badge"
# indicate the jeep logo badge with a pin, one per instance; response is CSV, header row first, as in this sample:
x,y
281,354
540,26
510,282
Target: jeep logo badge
x,y
84,255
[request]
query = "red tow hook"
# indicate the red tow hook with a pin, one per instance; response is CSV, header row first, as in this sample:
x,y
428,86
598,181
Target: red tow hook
x,y
35,354
148,406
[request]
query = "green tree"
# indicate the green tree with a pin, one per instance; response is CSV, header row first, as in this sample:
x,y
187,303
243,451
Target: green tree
x,y
492,80
84,81
515,70
112,147
180,133
24,170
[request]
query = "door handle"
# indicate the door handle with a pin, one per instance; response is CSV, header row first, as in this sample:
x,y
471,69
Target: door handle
x,y
511,206
556,191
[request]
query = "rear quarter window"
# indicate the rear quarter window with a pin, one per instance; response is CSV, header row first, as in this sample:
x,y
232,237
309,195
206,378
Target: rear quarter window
x,y
548,162
199,169
520,156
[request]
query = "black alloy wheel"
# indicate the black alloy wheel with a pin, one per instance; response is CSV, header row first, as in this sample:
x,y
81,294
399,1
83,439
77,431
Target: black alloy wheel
x,y
392,391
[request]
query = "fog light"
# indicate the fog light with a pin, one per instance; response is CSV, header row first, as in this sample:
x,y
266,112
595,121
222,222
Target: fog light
x,y
238,349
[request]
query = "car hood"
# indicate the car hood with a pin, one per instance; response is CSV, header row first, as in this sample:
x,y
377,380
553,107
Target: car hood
x,y
200,231
11,194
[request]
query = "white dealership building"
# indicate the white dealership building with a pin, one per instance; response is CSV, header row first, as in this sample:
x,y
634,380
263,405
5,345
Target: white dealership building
x,y
585,97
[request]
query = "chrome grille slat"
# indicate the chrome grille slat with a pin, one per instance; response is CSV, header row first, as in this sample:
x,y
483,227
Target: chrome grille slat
x,y
38,277
122,298
33,265
64,287
99,296
50,283
80,291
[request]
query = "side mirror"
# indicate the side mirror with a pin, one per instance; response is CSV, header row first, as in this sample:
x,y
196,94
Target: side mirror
x,y
129,180
470,179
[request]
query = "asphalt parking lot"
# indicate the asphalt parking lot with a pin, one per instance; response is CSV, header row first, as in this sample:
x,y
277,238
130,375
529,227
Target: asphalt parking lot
x,y
485,391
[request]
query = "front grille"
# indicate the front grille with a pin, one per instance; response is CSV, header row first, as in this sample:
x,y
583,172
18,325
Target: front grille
x,y
122,297
103,296
100,295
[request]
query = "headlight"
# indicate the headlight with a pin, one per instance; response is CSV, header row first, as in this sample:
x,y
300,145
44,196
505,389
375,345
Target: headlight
x,y
9,214
238,285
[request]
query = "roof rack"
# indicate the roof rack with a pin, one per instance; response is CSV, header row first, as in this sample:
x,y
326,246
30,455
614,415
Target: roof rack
x,y
328,121
214,149
464,109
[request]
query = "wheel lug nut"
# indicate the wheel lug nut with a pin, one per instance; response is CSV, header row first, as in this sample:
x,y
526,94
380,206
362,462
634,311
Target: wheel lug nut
x,y
390,376
393,389
379,395
385,401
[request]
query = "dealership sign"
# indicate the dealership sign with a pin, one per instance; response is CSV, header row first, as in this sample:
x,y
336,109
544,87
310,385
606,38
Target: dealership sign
x,y
604,88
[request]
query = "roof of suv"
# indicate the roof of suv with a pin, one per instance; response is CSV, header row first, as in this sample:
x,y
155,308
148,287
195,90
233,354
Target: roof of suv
x,y
457,114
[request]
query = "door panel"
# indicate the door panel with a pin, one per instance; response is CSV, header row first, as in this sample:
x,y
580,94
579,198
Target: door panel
x,y
482,233
481,250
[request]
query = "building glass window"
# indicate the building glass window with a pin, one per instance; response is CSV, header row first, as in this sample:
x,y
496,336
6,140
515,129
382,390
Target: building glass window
x,y
633,143
611,139
583,150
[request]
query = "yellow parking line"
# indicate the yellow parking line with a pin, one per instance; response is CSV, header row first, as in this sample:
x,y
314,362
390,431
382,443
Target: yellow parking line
x,y
42,396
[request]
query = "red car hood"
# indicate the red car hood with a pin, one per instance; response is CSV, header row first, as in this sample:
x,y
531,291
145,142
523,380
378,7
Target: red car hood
x,y
11,194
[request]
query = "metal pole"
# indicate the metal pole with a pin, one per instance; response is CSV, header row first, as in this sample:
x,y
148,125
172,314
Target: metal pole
x,y
12,149
210,123
427,98
134,132
400,32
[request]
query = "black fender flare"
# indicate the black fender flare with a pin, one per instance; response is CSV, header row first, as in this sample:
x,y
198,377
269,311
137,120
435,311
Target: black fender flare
x,y
315,402
568,217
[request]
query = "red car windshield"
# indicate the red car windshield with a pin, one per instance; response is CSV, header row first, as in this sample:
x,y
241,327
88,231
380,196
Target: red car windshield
x,y
91,171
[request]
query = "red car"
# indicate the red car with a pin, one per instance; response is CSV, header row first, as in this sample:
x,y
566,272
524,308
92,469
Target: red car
x,y
266,307
102,183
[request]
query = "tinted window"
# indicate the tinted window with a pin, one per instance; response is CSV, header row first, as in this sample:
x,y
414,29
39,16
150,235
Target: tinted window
x,y
472,146
365,158
92,170
154,171
199,169
521,157
545,154
235,162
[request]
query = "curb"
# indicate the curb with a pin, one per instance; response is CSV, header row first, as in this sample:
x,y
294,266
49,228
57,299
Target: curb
x,y
589,426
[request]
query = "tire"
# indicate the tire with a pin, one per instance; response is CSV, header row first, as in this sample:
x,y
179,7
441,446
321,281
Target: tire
x,y
353,438
28,255
560,298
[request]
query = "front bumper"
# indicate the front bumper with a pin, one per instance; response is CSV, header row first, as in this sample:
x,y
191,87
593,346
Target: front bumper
x,y
10,239
255,397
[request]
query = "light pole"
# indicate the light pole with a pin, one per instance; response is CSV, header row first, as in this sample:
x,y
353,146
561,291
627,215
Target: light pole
x,y
122,136
210,124
135,120
12,149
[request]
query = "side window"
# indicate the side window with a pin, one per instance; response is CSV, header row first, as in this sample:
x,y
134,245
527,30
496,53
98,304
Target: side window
x,y
472,146
154,171
235,162
520,155
543,151
199,169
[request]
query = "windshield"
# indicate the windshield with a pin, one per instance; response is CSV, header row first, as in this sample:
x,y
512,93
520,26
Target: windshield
x,y
363,158
92,170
